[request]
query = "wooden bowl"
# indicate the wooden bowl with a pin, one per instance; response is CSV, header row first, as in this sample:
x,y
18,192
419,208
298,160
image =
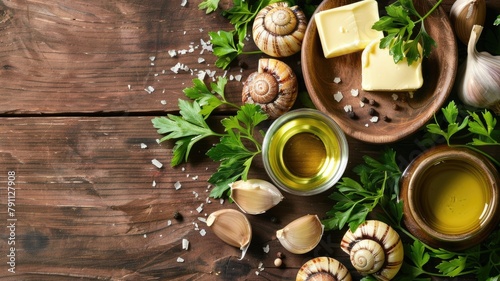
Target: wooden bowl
x,y
399,117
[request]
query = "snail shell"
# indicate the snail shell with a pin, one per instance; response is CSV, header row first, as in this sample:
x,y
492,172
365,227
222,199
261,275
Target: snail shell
x,y
278,30
374,248
323,268
273,86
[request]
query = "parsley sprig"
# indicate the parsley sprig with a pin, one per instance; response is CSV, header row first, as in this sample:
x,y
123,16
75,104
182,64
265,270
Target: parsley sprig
x,y
481,128
238,144
398,26
376,194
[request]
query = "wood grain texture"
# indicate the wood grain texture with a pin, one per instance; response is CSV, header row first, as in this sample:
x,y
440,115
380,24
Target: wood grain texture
x,y
72,130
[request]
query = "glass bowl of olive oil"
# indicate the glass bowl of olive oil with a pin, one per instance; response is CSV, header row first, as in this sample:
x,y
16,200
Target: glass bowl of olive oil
x,y
450,197
305,152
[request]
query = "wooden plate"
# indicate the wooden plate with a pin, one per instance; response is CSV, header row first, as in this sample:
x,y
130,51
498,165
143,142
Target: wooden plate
x,y
404,112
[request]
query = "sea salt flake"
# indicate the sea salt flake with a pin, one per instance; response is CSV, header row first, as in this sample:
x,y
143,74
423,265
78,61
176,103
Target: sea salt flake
x,y
200,60
354,92
374,119
153,184
172,53
157,163
177,185
348,108
203,232
200,208
395,96
152,58
169,222
338,96
184,3
163,102
266,249
149,89
185,244
144,146
337,80
361,104
179,259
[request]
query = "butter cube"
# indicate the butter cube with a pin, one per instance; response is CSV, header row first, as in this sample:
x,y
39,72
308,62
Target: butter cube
x,y
380,73
347,29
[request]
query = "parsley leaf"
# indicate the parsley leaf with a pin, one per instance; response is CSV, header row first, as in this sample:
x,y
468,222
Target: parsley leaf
x,y
209,5
398,26
497,20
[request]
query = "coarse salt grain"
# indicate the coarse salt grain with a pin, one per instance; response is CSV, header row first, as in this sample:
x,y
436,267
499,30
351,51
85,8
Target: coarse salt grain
x,y
200,208
149,89
337,80
354,92
152,58
184,3
361,104
157,163
177,185
338,96
172,53
144,146
203,232
163,102
153,184
169,222
374,119
185,244
200,60
266,249
348,108
179,259
395,96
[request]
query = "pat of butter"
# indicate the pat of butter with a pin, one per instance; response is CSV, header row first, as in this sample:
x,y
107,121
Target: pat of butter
x,y
380,73
347,29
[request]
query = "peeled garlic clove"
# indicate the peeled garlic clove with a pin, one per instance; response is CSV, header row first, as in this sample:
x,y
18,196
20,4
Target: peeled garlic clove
x,y
232,227
274,86
464,14
301,235
374,248
323,268
278,30
478,79
255,196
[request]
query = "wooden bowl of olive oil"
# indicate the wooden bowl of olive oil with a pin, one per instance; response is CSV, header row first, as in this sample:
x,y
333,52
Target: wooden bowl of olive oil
x,y
451,197
305,152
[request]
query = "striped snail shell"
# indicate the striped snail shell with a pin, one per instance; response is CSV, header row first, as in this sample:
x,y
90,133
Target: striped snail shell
x,y
323,268
278,30
374,248
273,86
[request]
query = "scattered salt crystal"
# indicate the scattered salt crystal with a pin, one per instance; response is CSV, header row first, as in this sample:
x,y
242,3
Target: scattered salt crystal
x,y
348,108
238,77
266,249
354,92
195,178
144,146
183,169
169,222
374,119
185,244
164,102
337,80
129,87
338,96
203,232
200,60
221,201
158,141
177,185
149,89
361,104
153,184
200,208
172,53
157,163
145,235
184,3
179,259
395,96
366,125
152,58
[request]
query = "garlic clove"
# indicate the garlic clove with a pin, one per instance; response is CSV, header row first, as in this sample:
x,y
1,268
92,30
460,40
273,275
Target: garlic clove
x,y
301,235
278,30
464,14
232,227
478,78
274,86
323,268
255,196
374,248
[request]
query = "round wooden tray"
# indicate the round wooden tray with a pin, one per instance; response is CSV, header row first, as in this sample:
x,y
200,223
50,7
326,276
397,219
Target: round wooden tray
x,y
400,113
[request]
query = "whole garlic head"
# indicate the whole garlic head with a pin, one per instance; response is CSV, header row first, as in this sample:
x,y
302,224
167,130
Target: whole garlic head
x,y
278,30
374,248
273,86
478,79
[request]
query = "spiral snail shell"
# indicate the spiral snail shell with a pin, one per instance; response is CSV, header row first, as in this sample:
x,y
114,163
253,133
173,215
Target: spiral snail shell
x,y
323,268
278,30
273,86
374,248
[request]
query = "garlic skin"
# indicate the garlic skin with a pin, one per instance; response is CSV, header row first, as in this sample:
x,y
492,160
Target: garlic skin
x,y
478,79
278,30
301,235
323,268
232,227
374,248
464,14
274,86
255,196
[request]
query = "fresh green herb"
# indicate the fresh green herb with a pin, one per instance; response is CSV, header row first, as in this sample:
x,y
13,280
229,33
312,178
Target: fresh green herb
x,y
209,5
481,128
238,145
398,25
497,21
483,260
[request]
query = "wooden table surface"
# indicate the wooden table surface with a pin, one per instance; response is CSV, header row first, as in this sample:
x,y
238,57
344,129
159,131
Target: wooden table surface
x,y
73,116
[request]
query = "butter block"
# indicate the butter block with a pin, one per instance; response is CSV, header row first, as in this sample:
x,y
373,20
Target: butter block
x,y
380,73
347,29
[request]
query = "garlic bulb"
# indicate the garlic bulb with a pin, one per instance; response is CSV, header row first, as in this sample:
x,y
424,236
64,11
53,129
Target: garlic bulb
x,y
464,14
374,248
278,30
301,235
232,227
323,268
478,79
255,196
273,86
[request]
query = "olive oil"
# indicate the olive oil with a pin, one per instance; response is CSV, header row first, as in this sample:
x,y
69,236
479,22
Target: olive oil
x,y
304,153
454,197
